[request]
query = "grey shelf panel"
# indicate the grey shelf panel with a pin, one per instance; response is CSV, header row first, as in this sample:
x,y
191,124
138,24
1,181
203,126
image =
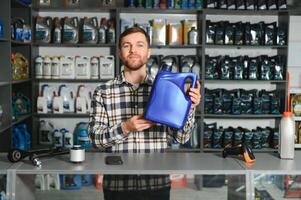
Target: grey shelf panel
x,y
263,150
21,81
4,163
14,42
180,150
90,10
71,80
4,127
245,81
4,40
148,163
221,46
73,45
21,119
4,83
159,10
19,4
63,115
176,46
243,12
250,116
270,163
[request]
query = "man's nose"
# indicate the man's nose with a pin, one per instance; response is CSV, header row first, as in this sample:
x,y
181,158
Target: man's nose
x,y
132,49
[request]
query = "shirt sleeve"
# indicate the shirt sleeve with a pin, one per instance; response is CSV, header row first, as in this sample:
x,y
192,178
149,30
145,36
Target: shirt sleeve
x,y
101,133
183,135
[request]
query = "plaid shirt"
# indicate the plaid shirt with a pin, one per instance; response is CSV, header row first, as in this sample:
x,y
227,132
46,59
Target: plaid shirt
x,y
116,101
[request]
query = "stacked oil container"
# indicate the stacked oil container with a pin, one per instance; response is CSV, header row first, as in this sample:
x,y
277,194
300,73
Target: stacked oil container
x,y
261,33
178,63
74,67
72,30
246,4
165,4
184,32
240,101
245,68
20,31
220,137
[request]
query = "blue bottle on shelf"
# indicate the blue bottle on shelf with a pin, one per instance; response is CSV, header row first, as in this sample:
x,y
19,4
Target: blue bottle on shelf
x,y
168,103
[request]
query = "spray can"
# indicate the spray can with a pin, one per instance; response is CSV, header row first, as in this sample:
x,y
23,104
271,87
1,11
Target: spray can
x,y
287,136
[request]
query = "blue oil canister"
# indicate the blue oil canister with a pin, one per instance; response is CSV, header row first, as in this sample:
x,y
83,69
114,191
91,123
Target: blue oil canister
x,y
168,103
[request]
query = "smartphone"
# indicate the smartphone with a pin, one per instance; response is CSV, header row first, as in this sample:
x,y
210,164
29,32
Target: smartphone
x,y
113,160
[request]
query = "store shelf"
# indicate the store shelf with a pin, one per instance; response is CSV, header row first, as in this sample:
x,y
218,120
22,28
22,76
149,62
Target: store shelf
x,y
243,12
19,4
295,90
297,118
221,46
63,115
175,46
245,81
264,150
249,116
4,83
19,43
4,40
21,81
298,146
71,80
78,10
170,150
73,45
159,11
21,119
4,127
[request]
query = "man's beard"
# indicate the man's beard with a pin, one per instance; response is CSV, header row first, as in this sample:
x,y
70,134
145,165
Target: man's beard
x,y
134,65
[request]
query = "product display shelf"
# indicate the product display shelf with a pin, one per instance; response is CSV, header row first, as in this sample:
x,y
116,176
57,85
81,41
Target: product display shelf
x,y
158,10
71,80
246,81
19,43
243,12
72,45
74,10
282,19
19,4
22,81
243,116
4,40
262,150
176,46
21,119
221,46
4,83
63,115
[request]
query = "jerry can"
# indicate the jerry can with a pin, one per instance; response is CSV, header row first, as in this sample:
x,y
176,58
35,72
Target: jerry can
x,y
168,103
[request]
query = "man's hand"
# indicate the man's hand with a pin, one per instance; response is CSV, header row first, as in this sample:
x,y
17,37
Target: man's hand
x,y
135,124
195,95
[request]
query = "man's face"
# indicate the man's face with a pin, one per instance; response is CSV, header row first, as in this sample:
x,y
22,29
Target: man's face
x,y
134,51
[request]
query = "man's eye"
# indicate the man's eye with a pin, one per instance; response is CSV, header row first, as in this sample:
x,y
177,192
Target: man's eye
x,y
126,46
140,45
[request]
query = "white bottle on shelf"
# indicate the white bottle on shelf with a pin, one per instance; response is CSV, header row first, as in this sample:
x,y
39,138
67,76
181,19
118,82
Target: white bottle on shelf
x,y
82,67
47,67
67,67
287,136
55,68
38,65
94,68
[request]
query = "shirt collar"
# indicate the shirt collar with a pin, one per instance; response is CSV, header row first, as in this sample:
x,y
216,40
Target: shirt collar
x,y
121,78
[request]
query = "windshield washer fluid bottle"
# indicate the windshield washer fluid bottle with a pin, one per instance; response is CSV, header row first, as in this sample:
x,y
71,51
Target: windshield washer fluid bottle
x,y
38,65
82,67
106,67
67,67
55,67
94,68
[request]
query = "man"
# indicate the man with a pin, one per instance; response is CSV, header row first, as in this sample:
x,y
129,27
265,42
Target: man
x,y
117,123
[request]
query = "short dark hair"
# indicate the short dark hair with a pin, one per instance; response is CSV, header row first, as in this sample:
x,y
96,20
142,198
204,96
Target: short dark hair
x,y
131,30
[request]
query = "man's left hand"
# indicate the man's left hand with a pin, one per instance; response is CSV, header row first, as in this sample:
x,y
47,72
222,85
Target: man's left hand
x,y
195,95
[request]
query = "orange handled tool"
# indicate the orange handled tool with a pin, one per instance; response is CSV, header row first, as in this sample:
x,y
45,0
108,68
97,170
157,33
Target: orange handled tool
x,y
244,150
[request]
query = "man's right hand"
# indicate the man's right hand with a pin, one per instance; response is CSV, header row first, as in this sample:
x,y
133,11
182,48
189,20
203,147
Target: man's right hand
x,y
135,124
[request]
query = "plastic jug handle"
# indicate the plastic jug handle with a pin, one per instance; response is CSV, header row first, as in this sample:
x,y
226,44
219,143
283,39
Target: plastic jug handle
x,y
193,77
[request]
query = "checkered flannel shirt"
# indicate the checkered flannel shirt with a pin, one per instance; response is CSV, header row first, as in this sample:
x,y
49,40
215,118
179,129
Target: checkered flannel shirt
x,y
116,101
